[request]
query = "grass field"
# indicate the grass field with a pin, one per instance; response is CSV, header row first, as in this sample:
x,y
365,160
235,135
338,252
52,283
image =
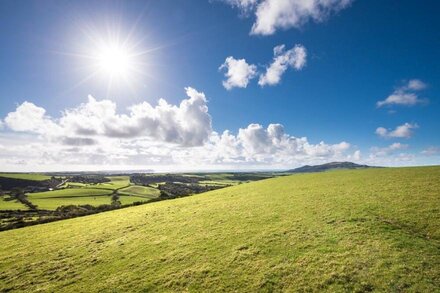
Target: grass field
x,y
116,182
50,200
68,192
54,203
11,204
129,199
26,176
352,231
141,191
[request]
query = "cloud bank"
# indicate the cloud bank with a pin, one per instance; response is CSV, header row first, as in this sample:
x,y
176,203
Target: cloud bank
x,y
187,124
162,136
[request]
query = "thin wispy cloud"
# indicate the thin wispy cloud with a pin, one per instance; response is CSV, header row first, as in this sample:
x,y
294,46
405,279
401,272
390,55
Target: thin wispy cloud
x,y
385,151
406,95
431,151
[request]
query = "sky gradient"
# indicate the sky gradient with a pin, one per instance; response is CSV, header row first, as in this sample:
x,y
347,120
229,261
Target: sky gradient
x,y
218,85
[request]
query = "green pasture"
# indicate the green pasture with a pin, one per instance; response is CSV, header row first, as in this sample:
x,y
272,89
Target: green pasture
x,y
373,230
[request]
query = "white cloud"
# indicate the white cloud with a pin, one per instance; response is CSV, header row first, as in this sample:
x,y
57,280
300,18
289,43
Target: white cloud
x,y
272,15
256,144
244,5
295,58
405,95
165,137
431,151
238,72
403,131
385,151
30,118
356,156
416,85
187,124
391,155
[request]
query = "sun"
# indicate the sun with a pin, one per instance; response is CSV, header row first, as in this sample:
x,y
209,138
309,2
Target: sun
x,y
115,60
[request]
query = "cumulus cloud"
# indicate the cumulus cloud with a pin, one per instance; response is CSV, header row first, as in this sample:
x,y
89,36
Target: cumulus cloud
x,y
271,15
403,131
295,58
405,95
162,137
30,118
238,72
257,144
187,124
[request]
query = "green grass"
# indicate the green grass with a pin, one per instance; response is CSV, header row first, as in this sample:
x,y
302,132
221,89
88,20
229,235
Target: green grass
x,y
68,192
116,182
11,204
349,231
54,203
50,200
129,199
219,183
26,176
141,191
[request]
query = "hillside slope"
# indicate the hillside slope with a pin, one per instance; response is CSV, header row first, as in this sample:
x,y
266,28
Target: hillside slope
x,y
359,230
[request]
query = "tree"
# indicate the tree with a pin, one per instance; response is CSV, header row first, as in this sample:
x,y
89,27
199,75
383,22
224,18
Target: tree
x,y
115,200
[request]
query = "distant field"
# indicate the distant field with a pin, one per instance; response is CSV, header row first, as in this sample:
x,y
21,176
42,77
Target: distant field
x,y
343,231
141,191
220,182
128,199
54,203
11,204
50,200
116,182
26,176
68,192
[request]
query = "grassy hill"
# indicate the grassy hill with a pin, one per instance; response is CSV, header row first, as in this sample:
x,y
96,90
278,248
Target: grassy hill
x,y
26,176
359,230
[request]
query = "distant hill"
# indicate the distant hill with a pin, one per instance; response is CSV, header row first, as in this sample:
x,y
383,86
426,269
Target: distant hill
x,y
328,166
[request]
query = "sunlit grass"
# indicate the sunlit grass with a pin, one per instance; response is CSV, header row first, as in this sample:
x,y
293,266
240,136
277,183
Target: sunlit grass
x,y
11,204
141,191
349,231
26,176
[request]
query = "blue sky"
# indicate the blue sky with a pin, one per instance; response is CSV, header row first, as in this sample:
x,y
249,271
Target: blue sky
x,y
357,54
